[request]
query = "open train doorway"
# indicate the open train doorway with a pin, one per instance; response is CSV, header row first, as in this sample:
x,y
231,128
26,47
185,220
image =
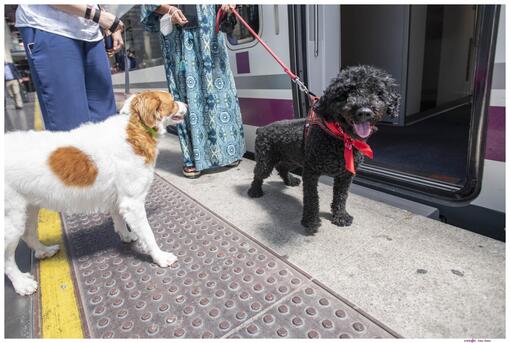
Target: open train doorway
x,y
433,51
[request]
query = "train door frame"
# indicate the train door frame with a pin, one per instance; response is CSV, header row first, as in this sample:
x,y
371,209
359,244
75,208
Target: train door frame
x,y
298,57
430,192
405,184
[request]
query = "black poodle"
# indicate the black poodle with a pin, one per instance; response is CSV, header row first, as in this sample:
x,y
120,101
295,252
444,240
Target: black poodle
x,y
354,102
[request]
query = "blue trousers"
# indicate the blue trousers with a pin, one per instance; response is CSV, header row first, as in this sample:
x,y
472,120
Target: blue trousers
x,y
72,79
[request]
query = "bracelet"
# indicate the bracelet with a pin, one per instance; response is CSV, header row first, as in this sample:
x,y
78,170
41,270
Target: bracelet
x,y
88,11
114,26
97,14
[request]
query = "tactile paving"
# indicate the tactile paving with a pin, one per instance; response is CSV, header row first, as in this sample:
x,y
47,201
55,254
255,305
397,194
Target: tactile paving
x,y
224,284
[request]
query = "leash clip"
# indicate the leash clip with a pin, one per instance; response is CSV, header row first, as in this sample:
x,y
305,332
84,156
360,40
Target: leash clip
x,y
301,85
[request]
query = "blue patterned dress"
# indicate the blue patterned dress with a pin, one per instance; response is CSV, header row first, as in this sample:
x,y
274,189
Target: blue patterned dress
x,y
198,73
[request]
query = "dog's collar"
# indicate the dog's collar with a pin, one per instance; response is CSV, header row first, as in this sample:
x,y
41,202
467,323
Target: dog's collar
x,y
335,130
150,130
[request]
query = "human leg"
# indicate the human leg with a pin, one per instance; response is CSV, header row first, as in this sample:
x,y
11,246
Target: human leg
x,y
56,66
17,94
98,82
172,50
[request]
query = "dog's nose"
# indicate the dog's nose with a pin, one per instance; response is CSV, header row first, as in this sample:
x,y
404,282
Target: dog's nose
x,y
364,114
183,108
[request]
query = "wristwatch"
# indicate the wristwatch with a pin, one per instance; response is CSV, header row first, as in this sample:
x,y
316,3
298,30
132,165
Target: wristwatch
x,y
115,24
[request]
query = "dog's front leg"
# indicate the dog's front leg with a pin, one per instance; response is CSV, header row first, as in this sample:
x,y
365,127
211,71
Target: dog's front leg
x,y
133,211
340,193
310,220
120,227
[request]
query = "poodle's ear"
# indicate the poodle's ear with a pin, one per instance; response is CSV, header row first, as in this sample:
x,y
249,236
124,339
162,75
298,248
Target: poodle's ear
x,y
393,103
321,108
390,96
330,104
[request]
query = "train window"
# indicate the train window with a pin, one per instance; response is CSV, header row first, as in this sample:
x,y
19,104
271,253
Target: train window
x,y
143,49
241,35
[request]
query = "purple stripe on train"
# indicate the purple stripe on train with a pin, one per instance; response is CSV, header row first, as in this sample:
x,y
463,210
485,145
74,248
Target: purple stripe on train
x,y
260,112
243,62
495,148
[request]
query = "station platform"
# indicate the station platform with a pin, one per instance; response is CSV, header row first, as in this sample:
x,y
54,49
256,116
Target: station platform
x,y
246,269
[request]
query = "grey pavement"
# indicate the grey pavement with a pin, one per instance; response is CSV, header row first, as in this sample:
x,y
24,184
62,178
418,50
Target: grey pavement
x,y
419,276
19,119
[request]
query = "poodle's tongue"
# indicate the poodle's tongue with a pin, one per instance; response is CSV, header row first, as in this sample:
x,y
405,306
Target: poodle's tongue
x,y
363,129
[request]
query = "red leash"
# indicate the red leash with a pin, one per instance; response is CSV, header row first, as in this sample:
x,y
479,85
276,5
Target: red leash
x,y
286,69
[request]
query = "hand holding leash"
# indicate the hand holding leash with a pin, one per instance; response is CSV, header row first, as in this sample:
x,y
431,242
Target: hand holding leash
x,y
177,16
227,8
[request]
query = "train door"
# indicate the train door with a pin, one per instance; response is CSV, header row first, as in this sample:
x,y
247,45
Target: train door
x,y
263,89
433,58
442,57
322,45
434,52
439,47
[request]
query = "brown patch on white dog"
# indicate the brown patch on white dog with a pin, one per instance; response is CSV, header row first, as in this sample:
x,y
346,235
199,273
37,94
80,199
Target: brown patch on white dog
x,y
147,109
73,167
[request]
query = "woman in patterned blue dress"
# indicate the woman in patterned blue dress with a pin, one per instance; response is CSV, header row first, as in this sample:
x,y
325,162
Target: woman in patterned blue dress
x,y
198,73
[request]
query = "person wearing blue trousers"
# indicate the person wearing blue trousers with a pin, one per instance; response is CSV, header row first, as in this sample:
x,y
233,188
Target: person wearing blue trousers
x,y
68,61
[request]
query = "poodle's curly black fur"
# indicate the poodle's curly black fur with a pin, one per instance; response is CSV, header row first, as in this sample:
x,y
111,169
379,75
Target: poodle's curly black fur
x,y
357,99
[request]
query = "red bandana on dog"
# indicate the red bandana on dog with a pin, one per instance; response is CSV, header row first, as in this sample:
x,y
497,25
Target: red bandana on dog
x,y
336,131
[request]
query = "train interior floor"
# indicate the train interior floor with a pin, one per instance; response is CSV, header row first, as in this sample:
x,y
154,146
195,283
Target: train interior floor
x,y
416,275
438,158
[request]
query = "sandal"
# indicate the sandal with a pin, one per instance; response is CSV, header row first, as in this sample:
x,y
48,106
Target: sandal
x,y
191,172
234,164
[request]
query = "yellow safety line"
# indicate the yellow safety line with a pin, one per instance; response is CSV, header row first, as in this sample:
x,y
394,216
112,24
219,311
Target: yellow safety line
x,y
38,123
60,317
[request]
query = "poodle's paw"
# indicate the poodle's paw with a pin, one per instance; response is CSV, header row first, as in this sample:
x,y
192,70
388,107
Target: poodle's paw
x,y
311,225
255,192
24,284
128,237
292,181
311,231
164,259
47,251
342,219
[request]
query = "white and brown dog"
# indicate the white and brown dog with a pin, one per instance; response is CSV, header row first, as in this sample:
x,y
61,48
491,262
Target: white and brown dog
x,y
100,167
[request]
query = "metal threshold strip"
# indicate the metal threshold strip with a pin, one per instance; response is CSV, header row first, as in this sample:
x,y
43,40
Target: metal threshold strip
x,y
225,284
410,178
